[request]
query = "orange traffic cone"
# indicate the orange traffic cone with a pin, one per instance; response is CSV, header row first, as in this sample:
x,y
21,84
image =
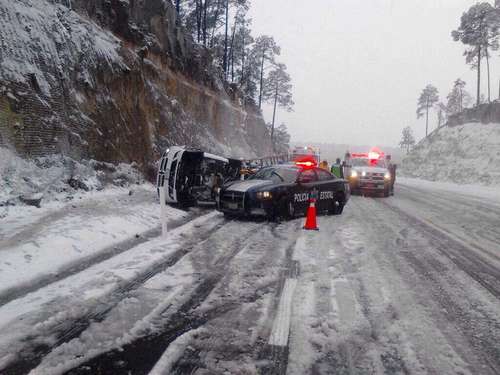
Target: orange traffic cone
x,y
311,216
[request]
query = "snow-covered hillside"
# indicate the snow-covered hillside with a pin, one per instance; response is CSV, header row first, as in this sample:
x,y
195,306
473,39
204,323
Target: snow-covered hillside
x,y
468,153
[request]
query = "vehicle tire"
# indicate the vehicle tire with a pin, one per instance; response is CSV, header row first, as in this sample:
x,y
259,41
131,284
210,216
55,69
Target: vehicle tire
x,y
290,210
228,216
337,206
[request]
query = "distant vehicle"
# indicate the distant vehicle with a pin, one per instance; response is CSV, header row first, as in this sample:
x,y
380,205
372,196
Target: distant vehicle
x,y
300,153
371,172
191,177
283,191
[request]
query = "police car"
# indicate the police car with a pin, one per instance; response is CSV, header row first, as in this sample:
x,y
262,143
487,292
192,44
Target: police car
x,y
371,172
283,191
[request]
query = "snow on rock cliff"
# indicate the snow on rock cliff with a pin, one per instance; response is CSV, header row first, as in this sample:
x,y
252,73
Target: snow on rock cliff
x,y
468,153
37,34
72,82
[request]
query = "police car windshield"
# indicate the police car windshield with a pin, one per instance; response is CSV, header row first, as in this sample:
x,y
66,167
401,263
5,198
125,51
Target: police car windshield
x,y
360,162
277,175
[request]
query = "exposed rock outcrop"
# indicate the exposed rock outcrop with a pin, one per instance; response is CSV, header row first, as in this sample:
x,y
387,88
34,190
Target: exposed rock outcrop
x,y
113,80
485,113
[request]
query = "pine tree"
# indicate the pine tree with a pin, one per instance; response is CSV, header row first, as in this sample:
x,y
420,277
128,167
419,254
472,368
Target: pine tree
x,y
265,48
281,141
442,113
458,98
479,30
277,88
407,139
428,98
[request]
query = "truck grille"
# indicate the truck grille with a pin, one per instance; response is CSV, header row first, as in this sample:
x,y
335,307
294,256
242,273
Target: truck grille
x,y
373,177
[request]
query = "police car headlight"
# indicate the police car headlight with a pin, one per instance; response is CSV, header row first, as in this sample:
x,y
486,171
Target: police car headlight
x,y
264,195
354,174
387,176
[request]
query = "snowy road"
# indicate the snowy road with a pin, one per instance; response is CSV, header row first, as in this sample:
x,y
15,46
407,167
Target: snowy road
x,y
404,285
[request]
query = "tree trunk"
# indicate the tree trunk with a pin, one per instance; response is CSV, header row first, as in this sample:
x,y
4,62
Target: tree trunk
x,y
478,100
427,118
216,17
231,56
488,69
460,104
224,63
274,116
198,20
261,78
205,25
243,57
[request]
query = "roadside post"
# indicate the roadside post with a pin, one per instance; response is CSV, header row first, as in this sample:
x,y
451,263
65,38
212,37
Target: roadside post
x,y
163,211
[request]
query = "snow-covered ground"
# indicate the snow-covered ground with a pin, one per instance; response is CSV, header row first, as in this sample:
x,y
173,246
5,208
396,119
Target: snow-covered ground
x,y
75,226
468,154
408,284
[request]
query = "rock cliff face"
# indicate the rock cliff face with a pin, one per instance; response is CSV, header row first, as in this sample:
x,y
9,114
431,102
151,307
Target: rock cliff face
x,y
113,80
486,113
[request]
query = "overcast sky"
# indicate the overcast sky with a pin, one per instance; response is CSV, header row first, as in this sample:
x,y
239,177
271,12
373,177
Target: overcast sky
x,y
358,66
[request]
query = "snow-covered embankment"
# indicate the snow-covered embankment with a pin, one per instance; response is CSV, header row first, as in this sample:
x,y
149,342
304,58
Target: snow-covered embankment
x,y
465,154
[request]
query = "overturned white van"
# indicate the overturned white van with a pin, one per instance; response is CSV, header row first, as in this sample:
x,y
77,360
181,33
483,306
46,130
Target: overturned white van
x,y
191,177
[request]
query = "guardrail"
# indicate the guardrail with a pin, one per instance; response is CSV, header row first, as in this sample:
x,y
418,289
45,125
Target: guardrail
x,y
269,160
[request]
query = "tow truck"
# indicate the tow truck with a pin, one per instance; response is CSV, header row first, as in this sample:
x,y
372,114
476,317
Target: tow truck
x,y
371,172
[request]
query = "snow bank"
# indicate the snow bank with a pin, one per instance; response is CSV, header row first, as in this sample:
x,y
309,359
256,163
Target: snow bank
x,y
57,177
465,154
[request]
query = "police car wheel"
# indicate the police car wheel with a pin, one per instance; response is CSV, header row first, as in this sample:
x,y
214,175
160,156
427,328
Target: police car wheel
x,y
337,207
290,210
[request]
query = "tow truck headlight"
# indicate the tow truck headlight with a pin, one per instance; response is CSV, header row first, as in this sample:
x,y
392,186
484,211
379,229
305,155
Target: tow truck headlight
x,y
354,174
264,195
387,176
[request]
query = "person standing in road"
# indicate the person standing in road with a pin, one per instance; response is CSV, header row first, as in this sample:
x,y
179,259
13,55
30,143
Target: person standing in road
x,y
337,169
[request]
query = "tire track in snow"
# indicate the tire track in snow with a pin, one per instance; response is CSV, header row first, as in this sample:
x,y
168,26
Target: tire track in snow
x,y
476,203
463,255
82,264
261,269
69,329
276,351
489,232
141,355
478,330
